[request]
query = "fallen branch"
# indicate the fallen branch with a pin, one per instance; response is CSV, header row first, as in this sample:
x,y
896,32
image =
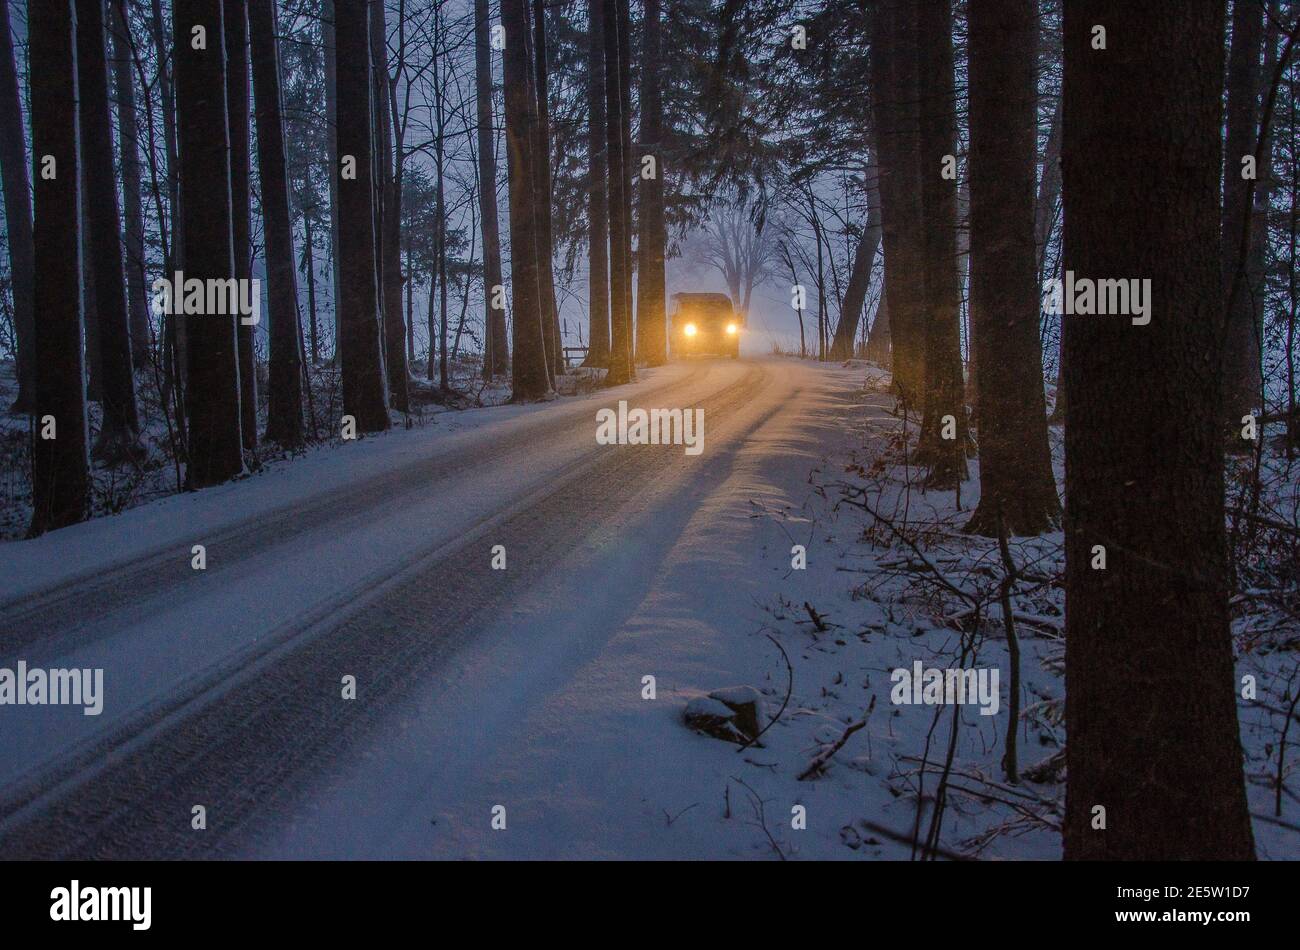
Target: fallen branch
x,y
789,688
826,755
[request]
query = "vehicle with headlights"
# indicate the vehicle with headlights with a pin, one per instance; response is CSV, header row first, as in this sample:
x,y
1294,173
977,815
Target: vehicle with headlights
x,y
705,325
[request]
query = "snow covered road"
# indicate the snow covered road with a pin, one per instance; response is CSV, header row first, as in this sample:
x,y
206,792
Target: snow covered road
x,y
475,687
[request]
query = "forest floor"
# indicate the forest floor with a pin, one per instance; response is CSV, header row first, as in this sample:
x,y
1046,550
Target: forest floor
x,y
526,688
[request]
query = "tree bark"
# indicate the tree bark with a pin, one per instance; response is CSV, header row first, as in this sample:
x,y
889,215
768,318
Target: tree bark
x,y
893,73
365,388
237,105
625,123
284,397
542,169
864,259
213,393
1241,356
530,375
945,389
652,322
1150,704
60,466
620,357
390,172
18,217
496,358
132,176
330,56
1017,487
879,349
597,196
119,434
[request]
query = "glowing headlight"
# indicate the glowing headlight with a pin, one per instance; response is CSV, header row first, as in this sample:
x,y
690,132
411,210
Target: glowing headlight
x,y
689,329
731,329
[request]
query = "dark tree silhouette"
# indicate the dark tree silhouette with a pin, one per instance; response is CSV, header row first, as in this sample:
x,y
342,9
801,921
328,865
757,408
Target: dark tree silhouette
x,y
620,296
893,71
132,175
530,374
597,196
212,396
284,397
1150,703
652,329
118,438
365,388
18,216
864,259
387,169
60,466
542,169
496,359
945,390
1017,488
1241,355
237,107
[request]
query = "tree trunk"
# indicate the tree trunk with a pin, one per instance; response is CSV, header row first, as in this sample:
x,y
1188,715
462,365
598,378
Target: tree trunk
x,y
893,72
620,357
625,122
597,197
945,389
18,217
496,358
119,435
365,388
132,175
530,377
542,169
390,170
864,259
309,261
284,384
1241,355
1150,704
879,348
1017,488
330,56
1049,194
652,324
60,466
212,396
237,105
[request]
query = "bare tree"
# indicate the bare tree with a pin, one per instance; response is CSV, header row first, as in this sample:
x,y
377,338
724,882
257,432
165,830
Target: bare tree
x,y
284,398
212,395
1154,761
652,336
530,374
1017,488
237,106
736,243
365,387
60,466
18,214
496,357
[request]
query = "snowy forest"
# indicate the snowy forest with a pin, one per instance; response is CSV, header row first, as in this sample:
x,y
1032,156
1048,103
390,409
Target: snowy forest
x,y
672,429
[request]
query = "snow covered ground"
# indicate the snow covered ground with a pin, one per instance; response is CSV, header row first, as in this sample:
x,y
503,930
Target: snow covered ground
x,y
507,713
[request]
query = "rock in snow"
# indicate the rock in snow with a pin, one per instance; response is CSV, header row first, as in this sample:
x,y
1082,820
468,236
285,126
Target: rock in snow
x,y
734,714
